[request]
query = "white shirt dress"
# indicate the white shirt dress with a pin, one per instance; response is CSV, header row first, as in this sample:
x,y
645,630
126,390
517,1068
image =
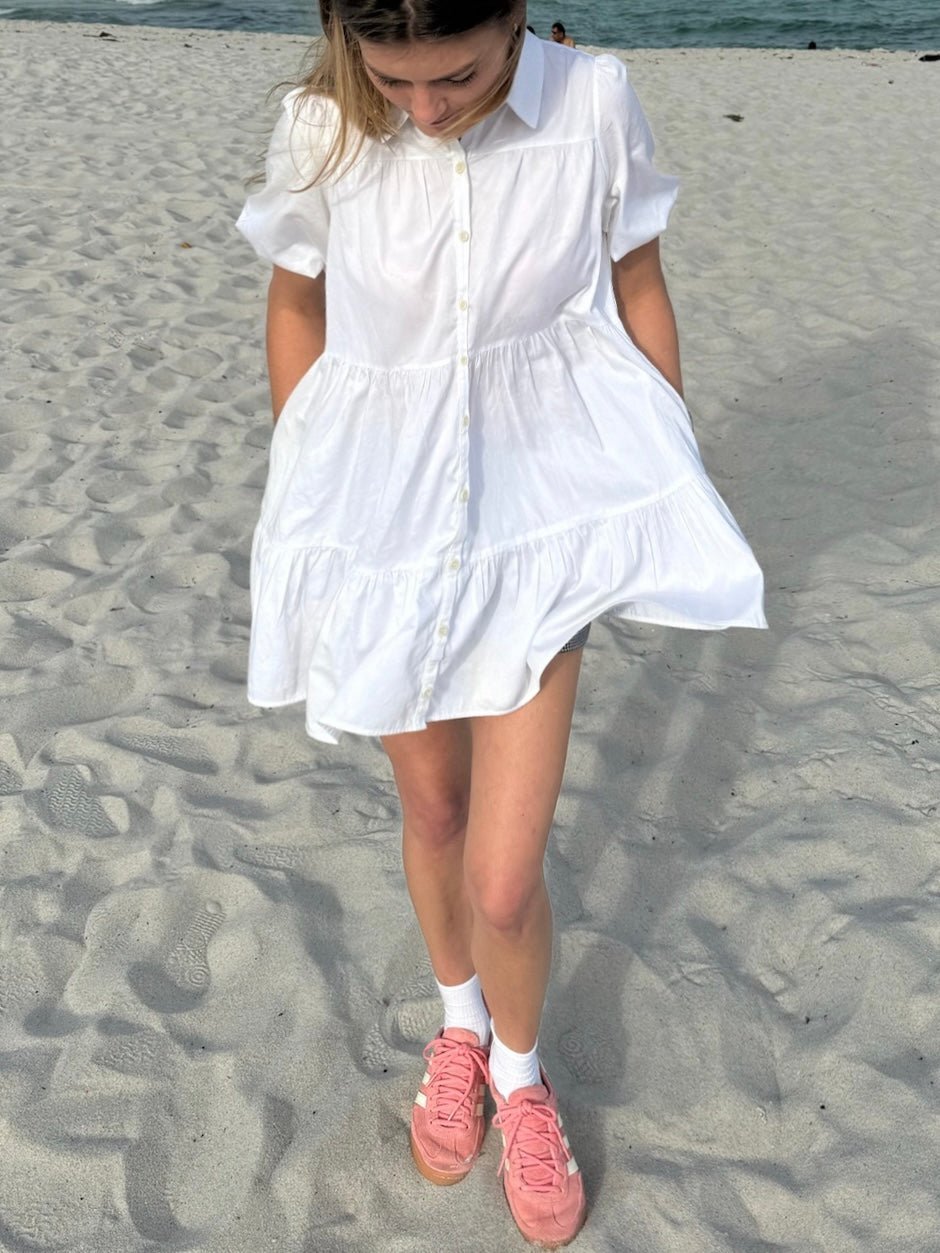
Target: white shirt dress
x,y
481,462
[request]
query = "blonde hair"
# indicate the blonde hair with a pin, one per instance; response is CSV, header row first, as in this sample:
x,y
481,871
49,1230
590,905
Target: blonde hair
x,y
339,73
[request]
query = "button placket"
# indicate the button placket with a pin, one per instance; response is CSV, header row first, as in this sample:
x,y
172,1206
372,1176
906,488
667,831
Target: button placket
x,y
453,556
462,399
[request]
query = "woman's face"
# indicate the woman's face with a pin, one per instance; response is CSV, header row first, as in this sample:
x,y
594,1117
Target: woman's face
x,y
435,80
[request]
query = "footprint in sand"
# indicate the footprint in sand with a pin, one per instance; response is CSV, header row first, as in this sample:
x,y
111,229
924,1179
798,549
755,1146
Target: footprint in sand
x,y
130,1050
21,582
67,802
185,976
30,642
413,1014
186,488
272,856
23,980
173,750
196,363
586,1058
187,964
10,781
186,1177
376,1056
41,1221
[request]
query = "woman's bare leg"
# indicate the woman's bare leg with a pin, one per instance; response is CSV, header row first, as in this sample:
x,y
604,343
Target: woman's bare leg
x,y
518,764
432,773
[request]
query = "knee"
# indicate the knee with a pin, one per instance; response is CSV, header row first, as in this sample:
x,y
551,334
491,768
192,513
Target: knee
x,y
502,903
437,820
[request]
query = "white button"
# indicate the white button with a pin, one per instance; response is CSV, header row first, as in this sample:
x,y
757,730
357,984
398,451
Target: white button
x,y
465,421
462,304
465,494
463,360
426,694
455,564
464,236
460,168
442,630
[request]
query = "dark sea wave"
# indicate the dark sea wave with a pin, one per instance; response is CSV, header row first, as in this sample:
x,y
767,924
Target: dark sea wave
x,y
902,24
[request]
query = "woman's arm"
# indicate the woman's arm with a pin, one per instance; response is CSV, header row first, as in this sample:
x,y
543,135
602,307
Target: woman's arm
x,y
296,330
646,310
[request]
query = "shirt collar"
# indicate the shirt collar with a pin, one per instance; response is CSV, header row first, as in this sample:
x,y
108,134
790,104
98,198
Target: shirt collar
x,y
525,94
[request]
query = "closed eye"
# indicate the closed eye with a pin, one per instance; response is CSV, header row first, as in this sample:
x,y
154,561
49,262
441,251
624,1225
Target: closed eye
x,y
452,82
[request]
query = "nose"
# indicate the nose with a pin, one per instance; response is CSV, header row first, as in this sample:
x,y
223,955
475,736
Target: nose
x,y
427,106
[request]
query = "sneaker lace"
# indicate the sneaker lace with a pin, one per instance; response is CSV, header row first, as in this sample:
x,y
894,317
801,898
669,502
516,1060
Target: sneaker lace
x,y
533,1145
455,1070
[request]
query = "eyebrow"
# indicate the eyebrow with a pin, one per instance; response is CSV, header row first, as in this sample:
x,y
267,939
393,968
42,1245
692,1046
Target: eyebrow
x,y
443,79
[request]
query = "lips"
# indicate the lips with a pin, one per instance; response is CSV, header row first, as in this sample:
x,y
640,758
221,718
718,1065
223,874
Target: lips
x,y
436,126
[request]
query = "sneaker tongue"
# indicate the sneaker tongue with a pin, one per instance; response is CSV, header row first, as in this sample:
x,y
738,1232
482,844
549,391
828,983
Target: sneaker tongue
x,y
537,1092
460,1036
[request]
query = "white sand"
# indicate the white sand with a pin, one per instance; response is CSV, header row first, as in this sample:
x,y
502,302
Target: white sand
x,y
212,992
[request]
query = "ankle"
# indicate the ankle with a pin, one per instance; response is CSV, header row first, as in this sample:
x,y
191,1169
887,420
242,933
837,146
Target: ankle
x,y
510,1070
464,1007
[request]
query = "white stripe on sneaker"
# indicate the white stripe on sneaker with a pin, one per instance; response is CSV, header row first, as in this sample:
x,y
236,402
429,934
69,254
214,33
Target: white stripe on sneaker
x,y
572,1166
427,1077
421,1100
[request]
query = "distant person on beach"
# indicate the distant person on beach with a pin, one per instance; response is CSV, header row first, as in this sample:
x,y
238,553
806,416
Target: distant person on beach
x,y
561,36
480,447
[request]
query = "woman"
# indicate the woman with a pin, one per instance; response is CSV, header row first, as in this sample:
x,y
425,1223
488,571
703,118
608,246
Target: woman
x,y
480,447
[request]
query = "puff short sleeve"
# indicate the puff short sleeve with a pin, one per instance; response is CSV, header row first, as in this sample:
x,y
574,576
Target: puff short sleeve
x,y
639,198
284,223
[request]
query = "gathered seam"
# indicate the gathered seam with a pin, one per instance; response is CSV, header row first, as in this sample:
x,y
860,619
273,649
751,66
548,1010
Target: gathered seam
x,y
486,554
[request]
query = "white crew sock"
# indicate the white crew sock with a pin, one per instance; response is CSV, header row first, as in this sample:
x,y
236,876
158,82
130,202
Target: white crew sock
x,y
509,1070
463,1007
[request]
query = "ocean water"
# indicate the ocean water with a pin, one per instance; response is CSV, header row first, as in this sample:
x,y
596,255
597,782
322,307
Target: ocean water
x,y
904,24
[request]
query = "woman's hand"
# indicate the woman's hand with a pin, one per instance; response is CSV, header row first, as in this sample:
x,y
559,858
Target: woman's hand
x,y
296,330
646,310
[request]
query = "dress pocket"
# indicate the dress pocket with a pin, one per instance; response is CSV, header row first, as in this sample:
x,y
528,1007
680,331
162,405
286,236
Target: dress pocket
x,y
300,388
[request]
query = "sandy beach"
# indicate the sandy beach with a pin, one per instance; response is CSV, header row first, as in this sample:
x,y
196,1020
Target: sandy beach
x,y
213,993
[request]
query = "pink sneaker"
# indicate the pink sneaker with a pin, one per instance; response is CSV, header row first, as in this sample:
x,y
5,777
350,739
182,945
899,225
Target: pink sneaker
x,y
541,1179
447,1122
